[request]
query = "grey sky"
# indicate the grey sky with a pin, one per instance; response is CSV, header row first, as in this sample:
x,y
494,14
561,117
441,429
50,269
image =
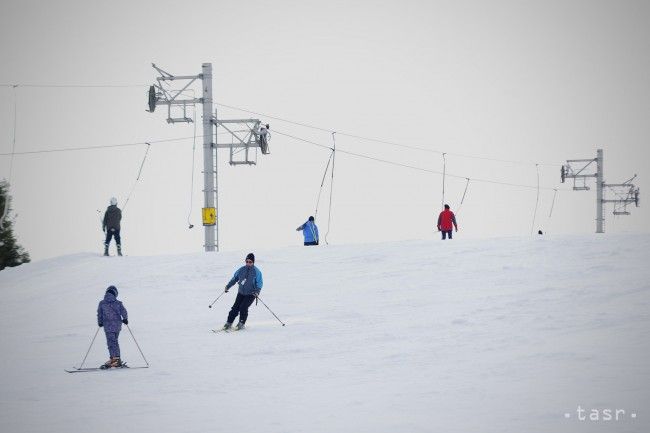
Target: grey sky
x,y
521,80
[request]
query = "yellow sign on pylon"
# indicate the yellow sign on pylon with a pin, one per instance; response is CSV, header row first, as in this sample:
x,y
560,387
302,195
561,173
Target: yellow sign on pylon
x,y
209,216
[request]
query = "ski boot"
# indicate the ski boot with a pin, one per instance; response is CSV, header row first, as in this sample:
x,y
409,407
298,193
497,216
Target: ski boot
x,y
106,250
227,326
114,362
239,326
119,250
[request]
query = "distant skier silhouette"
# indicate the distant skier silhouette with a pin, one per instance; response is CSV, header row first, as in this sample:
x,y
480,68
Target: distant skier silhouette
x,y
111,226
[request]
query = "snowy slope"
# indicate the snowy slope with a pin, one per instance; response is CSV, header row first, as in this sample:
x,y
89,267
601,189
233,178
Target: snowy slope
x,y
500,335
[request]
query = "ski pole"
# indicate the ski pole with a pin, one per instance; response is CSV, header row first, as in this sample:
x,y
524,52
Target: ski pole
x,y
91,345
136,343
210,306
267,307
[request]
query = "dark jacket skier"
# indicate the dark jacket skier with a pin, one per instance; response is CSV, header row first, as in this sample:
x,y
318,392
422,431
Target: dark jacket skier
x,y
110,315
249,279
111,226
309,232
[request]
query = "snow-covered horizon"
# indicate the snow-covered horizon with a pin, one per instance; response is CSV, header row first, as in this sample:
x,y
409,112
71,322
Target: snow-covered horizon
x,y
435,237
493,335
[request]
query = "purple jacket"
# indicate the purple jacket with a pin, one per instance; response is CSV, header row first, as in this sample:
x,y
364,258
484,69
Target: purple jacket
x,y
110,313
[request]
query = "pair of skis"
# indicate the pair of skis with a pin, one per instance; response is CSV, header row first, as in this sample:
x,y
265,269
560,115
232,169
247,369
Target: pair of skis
x,y
216,331
89,369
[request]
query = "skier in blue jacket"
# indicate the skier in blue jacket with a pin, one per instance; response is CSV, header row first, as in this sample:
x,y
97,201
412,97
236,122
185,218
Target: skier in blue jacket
x,y
110,315
249,279
309,231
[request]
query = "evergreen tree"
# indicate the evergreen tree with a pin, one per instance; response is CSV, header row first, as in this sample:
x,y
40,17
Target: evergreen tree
x,y
11,254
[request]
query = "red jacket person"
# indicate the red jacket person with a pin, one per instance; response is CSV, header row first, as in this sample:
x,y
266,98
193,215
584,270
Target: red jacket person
x,y
446,221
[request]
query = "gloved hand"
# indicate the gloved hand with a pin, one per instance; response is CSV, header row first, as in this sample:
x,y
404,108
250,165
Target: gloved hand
x,y
100,324
104,229
125,321
256,294
226,288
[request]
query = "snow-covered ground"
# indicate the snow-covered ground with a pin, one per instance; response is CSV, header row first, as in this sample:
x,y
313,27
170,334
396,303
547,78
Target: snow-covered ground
x,y
498,335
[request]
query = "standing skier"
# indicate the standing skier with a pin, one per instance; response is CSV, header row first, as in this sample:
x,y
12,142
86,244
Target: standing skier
x,y
309,231
446,221
111,314
249,278
111,226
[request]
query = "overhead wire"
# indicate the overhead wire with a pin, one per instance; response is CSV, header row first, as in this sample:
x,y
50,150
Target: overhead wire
x,y
376,140
302,124
552,202
412,167
137,179
329,213
105,146
327,166
81,86
462,200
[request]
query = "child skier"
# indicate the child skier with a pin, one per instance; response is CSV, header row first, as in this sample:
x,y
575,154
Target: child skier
x,y
111,314
249,278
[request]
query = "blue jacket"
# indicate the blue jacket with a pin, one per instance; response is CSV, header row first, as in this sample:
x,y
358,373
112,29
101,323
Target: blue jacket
x,y
310,231
110,313
249,280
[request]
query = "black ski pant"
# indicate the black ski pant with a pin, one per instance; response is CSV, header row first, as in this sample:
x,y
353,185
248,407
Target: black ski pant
x,y
446,233
307,244
242,302
112,343
110,233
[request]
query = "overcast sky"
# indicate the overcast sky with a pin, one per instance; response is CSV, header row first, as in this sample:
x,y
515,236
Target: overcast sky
x,y
531,81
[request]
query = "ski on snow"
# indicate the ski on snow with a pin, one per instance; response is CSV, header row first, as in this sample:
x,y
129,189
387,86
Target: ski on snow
x,y
90,369
216,331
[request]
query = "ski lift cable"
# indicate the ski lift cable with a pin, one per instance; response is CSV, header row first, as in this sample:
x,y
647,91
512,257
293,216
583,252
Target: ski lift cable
x,y
138,177
106,146
553,202
426,170
532,226
462,200
80,86
392,143
329,213
323,183
284,120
